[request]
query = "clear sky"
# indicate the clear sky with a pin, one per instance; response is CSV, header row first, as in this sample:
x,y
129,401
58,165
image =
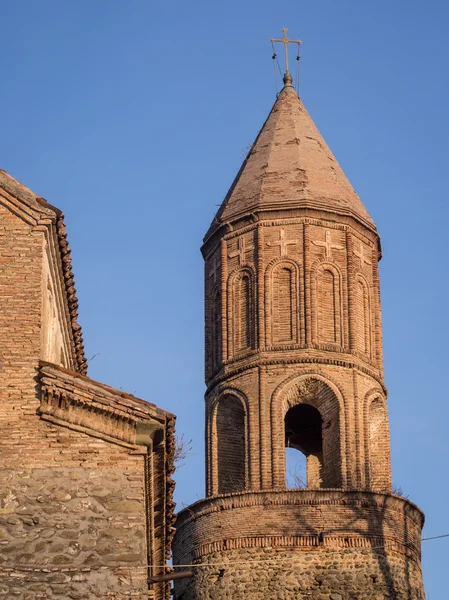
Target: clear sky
x,y
133,118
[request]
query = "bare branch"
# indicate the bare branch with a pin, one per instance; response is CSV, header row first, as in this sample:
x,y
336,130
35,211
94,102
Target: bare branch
x,y
183,449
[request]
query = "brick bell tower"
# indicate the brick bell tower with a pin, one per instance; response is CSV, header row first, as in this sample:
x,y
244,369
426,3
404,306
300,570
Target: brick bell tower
x,y
294,359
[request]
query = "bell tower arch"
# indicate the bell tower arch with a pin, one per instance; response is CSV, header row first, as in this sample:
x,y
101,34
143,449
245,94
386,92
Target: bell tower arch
x,y
294,360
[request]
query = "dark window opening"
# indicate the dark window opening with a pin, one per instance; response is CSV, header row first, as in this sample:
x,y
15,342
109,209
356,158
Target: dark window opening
x,y
303,432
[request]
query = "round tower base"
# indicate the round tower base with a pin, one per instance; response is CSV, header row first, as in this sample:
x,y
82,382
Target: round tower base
x,y
304,544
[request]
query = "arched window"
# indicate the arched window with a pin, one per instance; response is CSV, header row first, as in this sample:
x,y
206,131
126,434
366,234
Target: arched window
x,y
231,442
328,305
241,315
303,432
362,317
283,286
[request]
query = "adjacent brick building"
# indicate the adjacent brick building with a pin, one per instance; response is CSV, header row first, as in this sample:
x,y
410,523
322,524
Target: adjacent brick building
x,y
294,358
85,470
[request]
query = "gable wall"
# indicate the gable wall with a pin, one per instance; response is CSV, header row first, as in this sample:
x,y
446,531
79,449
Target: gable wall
x,y
55,335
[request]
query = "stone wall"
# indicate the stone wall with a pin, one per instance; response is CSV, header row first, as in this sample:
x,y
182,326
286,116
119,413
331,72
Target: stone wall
x,y
273,574
75,532
314,544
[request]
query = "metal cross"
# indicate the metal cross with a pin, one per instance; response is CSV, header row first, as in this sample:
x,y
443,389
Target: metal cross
x,y
241,252
214,269
328,245
284,40
361,255
282,243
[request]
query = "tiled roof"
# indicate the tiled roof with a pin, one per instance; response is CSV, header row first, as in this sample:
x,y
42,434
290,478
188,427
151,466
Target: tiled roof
x,y
290,166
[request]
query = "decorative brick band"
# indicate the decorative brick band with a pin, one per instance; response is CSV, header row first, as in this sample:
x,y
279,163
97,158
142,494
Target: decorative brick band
x,y
257,358
300,497
292,212
325,543
88,414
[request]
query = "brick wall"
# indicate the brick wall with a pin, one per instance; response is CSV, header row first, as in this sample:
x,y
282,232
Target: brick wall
x,y
73,521
297,296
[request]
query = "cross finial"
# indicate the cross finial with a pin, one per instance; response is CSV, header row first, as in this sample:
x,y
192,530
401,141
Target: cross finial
x,y
286,41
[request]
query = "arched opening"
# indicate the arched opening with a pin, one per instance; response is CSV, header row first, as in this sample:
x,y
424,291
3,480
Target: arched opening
x,y
306,416
231,445
303,432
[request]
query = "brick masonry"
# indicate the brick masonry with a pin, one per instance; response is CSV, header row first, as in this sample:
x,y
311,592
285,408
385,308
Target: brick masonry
x,y
294,358
85,470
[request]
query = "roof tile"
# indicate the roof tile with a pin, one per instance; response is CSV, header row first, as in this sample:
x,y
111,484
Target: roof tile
x,y
290,166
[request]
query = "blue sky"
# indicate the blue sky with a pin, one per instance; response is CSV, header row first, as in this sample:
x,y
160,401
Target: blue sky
x,y
133,118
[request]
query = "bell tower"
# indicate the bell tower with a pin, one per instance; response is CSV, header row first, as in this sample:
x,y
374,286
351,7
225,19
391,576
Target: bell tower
x,y
294,359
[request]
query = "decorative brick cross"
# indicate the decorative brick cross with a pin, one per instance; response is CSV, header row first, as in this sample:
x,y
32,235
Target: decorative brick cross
x,y
328,245
283,243
241,252
214,268
361,255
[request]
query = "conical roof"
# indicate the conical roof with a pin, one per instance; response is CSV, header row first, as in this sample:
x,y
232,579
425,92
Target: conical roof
x,y
290,166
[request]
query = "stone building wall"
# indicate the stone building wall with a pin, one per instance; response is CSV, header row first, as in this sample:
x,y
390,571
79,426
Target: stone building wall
x,y
289,574
85,500
75,531
86,494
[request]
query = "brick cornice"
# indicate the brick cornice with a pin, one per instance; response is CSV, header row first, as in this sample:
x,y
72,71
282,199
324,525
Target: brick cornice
x,y
265,358
296,497
77,401
285,216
